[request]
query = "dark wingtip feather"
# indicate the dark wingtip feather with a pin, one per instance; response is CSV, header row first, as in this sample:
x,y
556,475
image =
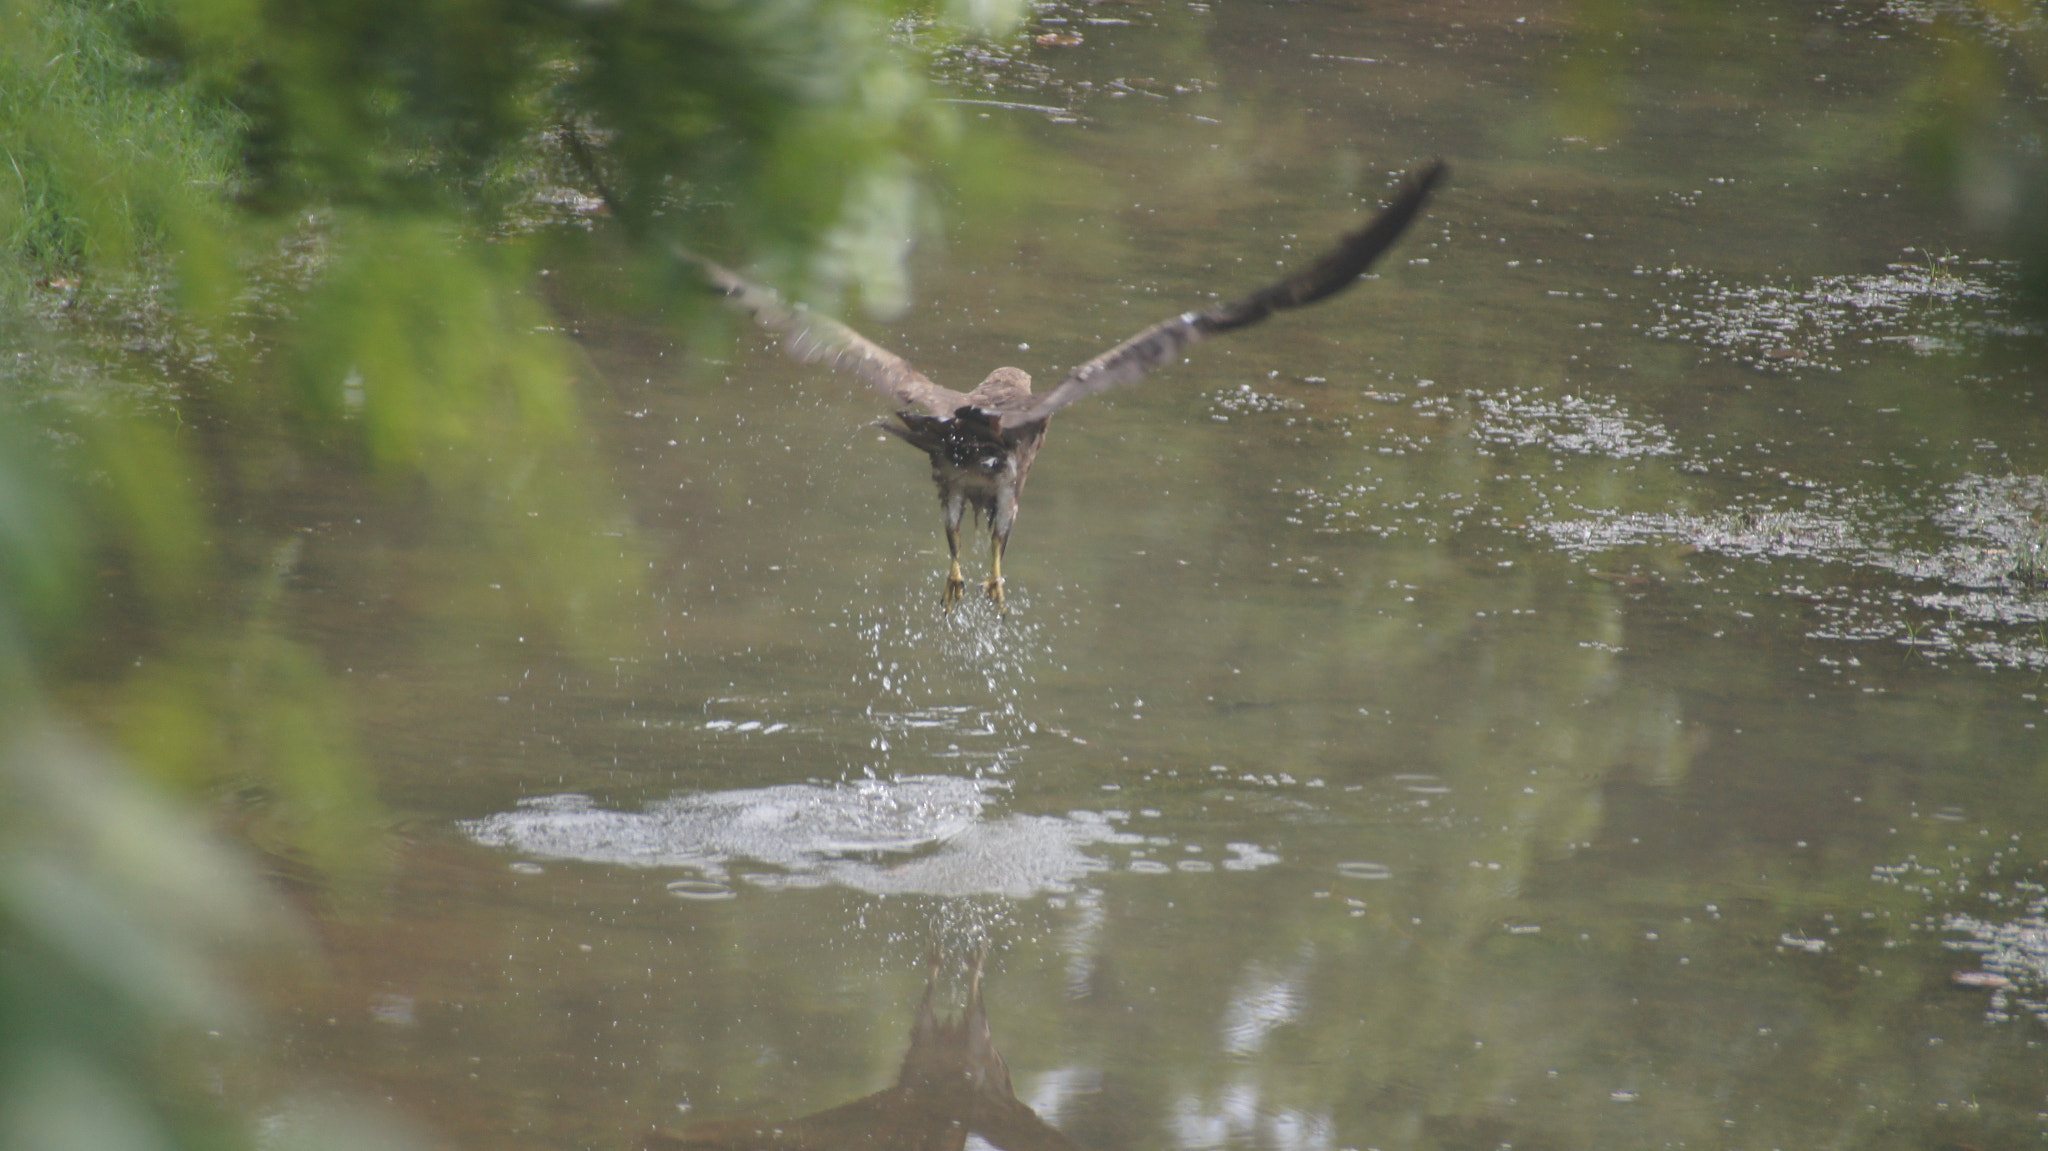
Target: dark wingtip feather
x,y
1361,248
1337,270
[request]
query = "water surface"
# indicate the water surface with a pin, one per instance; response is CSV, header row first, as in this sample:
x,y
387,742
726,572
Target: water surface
x,y
1579,689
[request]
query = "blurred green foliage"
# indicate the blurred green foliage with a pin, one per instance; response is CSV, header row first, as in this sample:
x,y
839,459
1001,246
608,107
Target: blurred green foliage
x,y
252,251
115,911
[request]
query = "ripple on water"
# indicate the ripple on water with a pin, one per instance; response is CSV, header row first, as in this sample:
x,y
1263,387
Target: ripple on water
x,y
701,890
724,724
1421,783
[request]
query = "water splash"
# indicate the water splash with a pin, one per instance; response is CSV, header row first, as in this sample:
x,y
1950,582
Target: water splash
x,y
952,686
921,835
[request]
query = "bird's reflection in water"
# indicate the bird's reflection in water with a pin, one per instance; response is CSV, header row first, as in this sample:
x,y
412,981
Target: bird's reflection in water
x,y
953,1083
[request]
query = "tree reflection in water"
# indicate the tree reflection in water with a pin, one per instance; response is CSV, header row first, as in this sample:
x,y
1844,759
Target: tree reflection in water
x,y
953,1084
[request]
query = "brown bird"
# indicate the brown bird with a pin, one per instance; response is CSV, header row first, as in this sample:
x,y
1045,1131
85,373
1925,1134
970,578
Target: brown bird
x,y
982,443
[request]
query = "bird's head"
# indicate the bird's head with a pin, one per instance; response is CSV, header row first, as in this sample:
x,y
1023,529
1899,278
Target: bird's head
x,y
1004,388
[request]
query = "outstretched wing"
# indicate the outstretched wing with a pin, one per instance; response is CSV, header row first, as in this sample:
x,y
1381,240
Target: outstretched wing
x,y
814,339
1161,343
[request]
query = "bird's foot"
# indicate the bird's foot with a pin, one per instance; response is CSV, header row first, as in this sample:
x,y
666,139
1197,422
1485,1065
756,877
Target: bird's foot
x,y
992,587
956,590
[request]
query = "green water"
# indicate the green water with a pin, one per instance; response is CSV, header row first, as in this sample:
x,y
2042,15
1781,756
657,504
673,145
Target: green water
x,y
1572,691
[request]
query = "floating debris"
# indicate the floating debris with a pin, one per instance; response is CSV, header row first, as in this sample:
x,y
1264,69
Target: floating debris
x,y
1934,307
1576,425
1997,24
2013,960
2001,526
1822,530
1247,400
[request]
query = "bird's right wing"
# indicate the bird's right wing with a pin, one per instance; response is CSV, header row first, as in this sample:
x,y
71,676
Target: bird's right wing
x,y
813,339
1161,343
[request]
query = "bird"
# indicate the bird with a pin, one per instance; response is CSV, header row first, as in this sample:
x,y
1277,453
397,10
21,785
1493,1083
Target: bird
x,y
982,443
952,1083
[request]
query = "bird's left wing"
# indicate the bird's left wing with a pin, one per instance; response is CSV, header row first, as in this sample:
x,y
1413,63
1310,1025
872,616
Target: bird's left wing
x,y
814,338
1161,343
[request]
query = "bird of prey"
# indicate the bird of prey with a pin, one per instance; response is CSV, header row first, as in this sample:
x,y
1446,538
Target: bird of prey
x,y
953,1083
982,443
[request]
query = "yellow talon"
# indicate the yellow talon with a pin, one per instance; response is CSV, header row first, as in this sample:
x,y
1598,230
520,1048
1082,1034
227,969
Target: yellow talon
x,y
992,587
